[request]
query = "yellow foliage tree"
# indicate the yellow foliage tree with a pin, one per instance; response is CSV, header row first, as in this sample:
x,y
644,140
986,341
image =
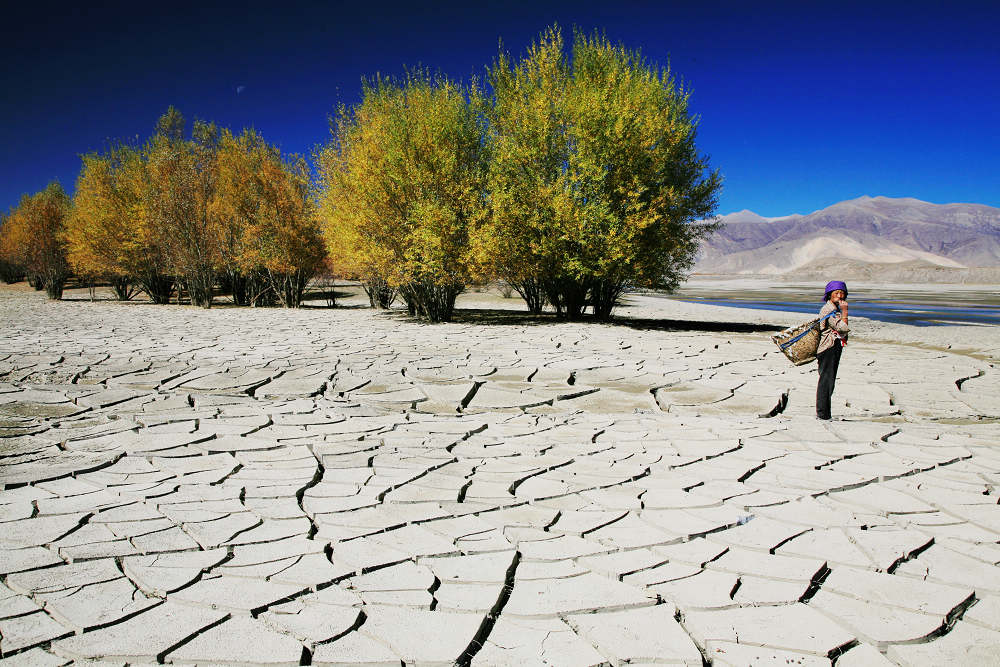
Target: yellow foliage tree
x,y
266,217
100,229
10,270
234,205
110,232
177,211
528,148
33,236
401,185
143,253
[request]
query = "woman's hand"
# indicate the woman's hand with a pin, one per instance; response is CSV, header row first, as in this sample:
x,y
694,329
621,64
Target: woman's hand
x,y
843,310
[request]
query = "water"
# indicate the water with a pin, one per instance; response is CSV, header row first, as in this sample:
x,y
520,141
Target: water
x,y
906,305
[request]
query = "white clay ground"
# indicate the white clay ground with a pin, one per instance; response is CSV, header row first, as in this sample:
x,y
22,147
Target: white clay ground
x,y
240,486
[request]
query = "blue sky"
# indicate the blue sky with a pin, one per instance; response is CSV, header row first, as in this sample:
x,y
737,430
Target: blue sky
x,y
802,104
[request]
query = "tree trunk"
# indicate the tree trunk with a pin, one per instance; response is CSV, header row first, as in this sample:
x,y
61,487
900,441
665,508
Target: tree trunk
x,y
604,295
380,294
430,301
553,294
122,286
568,296
200,288
54,287
11,273
157,287
290,287
411,299
575,298
531,291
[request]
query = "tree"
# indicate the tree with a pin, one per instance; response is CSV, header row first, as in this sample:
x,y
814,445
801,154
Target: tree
x,y
100,228
528,150
594,177
192,210
144,253
34,237
266,216
234,205
181,178
111,232
401,186
10,270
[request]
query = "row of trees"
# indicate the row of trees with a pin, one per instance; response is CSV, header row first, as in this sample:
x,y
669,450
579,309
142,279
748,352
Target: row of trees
x,y
575,178
196,214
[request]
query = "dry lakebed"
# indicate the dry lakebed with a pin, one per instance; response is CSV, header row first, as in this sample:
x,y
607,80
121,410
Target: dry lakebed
x,y
352,487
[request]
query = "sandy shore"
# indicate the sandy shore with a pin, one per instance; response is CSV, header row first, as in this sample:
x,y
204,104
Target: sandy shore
x,y
345,486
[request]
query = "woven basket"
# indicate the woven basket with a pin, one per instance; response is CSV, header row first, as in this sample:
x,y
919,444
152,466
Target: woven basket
x,y
799,343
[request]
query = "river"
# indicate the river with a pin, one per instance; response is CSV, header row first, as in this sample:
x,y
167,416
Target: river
x,y
920,305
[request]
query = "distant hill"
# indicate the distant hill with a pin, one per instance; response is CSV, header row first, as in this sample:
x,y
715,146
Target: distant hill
x,y
872,237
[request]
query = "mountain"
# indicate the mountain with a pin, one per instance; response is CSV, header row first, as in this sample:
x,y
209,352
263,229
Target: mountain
x,y
872,235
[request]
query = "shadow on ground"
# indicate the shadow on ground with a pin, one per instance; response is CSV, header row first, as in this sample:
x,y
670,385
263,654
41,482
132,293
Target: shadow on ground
x,y
521,318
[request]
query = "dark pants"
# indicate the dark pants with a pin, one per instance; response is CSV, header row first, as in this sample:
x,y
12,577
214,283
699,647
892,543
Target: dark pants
x,y
828,361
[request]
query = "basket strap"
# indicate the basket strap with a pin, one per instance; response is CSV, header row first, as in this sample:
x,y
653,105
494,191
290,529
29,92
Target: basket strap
x,y
787,344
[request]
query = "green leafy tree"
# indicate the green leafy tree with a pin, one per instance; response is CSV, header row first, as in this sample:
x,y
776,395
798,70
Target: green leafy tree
x,y
594,178
528,148
401,186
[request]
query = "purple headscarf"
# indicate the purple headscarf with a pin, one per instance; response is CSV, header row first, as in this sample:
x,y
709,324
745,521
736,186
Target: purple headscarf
x,y
834,285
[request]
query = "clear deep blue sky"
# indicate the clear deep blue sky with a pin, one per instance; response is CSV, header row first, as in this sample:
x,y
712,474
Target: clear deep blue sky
x,y
802,104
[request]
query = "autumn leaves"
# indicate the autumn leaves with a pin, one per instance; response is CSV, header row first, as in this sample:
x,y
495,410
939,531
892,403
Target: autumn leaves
x,y
196,215
571,174
215,210
31,241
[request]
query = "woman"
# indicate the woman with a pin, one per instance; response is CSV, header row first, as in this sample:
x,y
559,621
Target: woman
x,y
833,338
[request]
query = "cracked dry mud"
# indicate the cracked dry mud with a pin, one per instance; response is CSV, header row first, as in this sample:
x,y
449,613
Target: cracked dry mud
x,y
348,487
